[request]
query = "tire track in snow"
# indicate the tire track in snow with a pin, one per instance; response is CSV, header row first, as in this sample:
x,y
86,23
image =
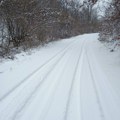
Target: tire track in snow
x,y
51,96
34,72
48,105
72,83
49,99
112,91
105,94
96,91
43,80
44,118
36,88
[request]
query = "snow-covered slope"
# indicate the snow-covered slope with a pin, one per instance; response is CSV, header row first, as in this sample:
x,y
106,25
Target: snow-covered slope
x,y
66,80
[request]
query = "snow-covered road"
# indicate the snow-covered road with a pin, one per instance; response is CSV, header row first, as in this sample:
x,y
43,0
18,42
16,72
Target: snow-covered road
x,y
69,85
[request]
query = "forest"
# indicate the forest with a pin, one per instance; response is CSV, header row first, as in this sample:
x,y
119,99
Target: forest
x,y
25,24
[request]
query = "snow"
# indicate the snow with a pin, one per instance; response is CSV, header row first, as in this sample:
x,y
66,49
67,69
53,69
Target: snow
x,y
71,79
109,61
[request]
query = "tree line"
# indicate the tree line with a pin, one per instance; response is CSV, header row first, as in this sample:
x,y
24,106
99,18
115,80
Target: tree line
x,y
110,23
28,23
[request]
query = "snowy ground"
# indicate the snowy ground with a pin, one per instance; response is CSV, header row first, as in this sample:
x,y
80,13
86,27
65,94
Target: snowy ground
x,y
72,79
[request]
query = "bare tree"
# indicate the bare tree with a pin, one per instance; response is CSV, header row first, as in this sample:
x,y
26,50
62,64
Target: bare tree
x,y
28,23
111,22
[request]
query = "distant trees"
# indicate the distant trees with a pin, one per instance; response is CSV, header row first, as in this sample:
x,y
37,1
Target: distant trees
x,y
89,18
28,23
110,24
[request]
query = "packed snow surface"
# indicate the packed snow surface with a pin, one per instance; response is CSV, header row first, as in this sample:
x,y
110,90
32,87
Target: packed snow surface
x,y
71,79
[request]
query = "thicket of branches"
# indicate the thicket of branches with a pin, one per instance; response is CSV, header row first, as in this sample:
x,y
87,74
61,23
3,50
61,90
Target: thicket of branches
x,y
28,23
110,24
